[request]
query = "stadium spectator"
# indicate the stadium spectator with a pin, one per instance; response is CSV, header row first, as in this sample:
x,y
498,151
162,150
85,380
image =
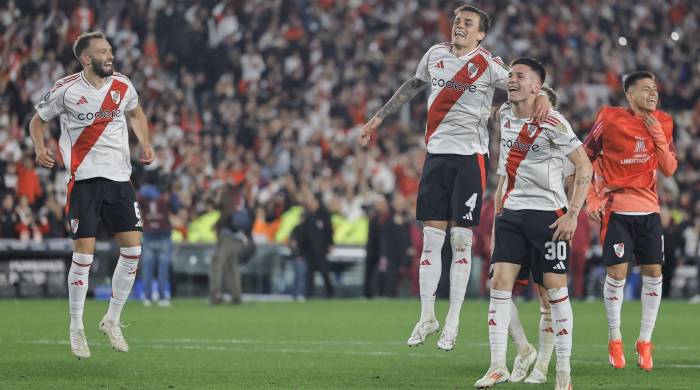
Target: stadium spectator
x,y
344,59
234,240
158,206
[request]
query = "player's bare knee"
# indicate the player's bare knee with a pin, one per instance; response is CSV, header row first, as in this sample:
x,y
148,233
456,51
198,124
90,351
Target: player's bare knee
x,y
84,245
618,271
553,281
651,270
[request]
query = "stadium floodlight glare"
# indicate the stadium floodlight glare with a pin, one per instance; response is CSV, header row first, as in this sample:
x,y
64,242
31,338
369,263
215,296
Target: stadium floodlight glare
x,y
675,36
622,41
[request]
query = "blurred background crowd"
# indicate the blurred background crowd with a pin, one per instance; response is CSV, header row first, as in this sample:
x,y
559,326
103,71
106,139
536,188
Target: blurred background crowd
x,y
269,96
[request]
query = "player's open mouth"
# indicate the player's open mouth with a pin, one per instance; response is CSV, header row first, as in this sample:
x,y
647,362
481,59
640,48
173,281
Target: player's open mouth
x,y
652,101
459,33
512,88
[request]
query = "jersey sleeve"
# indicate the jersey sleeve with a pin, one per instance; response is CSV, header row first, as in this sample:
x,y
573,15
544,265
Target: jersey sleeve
x,y
499,73
52,103
422,70
593,144
561,134
132,97
569,168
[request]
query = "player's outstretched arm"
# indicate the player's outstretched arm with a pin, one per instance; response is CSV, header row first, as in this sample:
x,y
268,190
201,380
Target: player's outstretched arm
x,y
37,129
139,124
406,92
566,224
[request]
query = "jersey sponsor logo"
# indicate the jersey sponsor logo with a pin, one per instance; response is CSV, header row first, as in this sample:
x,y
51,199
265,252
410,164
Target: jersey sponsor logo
x,y
619,249
106,114
425,262
440,65
560,266
521,145
456,85
74,225
82,100
507,125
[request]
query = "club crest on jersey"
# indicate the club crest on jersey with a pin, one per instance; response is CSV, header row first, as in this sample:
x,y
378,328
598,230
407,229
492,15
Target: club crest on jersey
x,y
74,225
116,96
472,69
619,249
531,130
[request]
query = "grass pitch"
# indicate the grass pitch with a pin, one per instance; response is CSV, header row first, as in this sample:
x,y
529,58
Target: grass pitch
x,y
339,344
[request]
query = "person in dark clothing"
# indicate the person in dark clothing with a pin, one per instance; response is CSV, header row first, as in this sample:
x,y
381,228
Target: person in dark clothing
x,y
380,216
315,238
234,229
395,247
9,219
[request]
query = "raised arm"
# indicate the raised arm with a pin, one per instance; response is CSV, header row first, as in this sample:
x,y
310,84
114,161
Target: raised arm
x,y
406,92
139,124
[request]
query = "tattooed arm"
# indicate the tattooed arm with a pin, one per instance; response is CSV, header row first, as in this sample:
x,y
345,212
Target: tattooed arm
x,y
566,225
406,92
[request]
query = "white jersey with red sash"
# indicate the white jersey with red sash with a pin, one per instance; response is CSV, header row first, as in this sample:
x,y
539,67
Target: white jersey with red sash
x,y
461,92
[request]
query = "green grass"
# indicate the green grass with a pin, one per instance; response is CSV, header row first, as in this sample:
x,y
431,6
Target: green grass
x,y
336,344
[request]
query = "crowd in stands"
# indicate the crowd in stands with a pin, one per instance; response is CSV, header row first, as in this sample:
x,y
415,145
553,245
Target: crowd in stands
x,y
271,95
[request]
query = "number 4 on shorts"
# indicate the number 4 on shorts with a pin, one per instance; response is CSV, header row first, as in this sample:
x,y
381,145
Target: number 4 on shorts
x,y
471,204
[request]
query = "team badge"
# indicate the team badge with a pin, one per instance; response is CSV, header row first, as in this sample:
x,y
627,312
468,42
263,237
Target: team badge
x,y
531,130
619,249
472,69
74,225
116,96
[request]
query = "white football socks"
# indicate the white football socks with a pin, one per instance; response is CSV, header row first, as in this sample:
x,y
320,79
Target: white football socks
x,y
516,331
123,280
546,341
430,270
499,317
461,241
613,295
563,324
77,287
651,300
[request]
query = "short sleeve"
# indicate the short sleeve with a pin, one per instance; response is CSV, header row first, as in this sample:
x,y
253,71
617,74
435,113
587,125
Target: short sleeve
x,y
132,99
52,104
561,134
422,70
499,73
569,168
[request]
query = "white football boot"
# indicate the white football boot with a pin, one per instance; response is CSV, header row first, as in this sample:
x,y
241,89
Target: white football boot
x,y
421,331
78,344
448,338
494,376
522,364
536,377
113,331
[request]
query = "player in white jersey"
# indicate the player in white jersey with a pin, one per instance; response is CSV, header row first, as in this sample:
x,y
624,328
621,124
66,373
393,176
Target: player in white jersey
x,y
463,77
527,354
93,107
530,204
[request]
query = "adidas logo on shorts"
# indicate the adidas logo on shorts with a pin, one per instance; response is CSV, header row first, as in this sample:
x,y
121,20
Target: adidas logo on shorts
x,y
560,266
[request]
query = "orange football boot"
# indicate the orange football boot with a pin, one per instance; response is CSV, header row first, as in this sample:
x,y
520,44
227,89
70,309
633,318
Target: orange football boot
x,y
616,354
643,349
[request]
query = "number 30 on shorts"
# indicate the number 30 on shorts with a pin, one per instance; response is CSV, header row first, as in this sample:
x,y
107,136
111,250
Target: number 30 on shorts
x,y
556,250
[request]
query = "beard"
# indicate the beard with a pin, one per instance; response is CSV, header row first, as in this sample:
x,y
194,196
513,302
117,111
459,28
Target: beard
x,y
99,68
